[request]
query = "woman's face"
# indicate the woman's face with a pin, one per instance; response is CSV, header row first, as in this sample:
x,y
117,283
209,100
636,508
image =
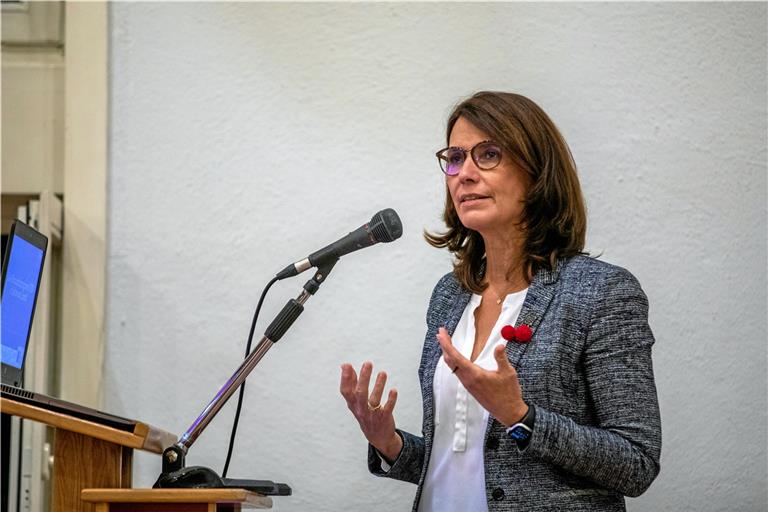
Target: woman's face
x,y
490,202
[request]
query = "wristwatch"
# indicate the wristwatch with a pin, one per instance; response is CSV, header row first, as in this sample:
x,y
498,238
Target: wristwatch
x,y
521,431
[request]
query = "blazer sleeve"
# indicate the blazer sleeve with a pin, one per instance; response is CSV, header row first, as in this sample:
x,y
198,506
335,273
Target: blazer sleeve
x,y
622,451
407,466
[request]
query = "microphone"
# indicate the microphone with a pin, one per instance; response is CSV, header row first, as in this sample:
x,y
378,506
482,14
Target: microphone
x,y
385,227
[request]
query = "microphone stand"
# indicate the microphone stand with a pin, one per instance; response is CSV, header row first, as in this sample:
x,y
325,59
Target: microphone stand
x,y
174,473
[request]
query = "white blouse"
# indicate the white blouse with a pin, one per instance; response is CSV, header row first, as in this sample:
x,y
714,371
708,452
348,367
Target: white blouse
x,y
455,477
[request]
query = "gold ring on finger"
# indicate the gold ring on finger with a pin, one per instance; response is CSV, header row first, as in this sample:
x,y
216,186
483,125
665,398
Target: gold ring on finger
x,y
372,407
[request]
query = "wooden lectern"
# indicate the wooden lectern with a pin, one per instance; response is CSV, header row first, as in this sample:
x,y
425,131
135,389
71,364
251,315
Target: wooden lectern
x,y
88,455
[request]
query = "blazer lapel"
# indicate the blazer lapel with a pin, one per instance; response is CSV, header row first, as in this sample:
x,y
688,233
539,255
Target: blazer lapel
x,y
540,293
450,321
459,305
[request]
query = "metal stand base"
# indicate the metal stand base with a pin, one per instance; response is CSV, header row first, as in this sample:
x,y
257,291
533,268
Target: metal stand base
x,y
200,477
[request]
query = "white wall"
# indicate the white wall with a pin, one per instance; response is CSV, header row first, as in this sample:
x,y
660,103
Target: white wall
x,y
244,136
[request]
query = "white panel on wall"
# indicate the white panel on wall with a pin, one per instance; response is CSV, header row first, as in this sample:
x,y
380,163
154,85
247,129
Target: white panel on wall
x,y
244,136
33,121
37,23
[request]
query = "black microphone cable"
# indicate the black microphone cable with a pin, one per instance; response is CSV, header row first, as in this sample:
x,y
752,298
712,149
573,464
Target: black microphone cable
x,y
242,386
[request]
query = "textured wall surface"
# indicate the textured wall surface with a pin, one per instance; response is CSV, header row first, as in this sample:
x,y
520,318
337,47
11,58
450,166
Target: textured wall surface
x,y
244,136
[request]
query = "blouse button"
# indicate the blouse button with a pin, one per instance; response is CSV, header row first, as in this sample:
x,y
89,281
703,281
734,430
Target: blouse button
x,y
498,494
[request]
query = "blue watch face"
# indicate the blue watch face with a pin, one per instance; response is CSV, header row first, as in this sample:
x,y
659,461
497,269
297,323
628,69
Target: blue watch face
x,y
520,433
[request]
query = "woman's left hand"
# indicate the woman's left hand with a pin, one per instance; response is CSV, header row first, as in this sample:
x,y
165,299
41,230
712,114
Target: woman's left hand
x,y
498,391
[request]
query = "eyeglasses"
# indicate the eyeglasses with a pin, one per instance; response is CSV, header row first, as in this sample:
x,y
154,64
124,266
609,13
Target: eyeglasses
x,y
485,154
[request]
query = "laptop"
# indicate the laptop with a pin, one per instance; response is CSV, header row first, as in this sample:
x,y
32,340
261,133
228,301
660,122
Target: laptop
x,y
22,273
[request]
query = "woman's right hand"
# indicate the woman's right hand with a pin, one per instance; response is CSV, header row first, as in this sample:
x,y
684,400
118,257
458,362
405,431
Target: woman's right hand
x,y
375,419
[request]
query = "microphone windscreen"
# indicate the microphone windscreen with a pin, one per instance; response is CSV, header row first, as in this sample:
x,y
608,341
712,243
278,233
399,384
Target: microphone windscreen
x,y
385,226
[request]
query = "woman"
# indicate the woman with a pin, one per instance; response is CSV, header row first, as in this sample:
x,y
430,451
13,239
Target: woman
x,y
536,372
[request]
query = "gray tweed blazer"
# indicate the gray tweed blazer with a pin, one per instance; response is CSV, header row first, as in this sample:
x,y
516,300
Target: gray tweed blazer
x,y
588,373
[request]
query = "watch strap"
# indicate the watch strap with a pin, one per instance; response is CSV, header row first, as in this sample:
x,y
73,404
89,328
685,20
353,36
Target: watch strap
x,y
530,417
526,423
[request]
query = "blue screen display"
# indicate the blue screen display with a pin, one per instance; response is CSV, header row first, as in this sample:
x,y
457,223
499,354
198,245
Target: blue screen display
x,y
19,291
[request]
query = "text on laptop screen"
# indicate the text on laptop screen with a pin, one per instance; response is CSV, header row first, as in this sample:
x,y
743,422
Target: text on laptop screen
x,y
19,290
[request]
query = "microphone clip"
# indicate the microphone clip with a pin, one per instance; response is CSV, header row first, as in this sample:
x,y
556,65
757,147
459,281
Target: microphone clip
x,y
321,274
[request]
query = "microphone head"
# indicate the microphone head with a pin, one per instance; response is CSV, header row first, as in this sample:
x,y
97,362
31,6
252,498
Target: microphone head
x,y
385,226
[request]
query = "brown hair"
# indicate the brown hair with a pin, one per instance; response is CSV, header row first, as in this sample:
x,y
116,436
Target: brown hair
x,y
554,216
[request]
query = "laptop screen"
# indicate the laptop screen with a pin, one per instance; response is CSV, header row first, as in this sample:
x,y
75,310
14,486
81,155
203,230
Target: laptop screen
x,y
21,278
